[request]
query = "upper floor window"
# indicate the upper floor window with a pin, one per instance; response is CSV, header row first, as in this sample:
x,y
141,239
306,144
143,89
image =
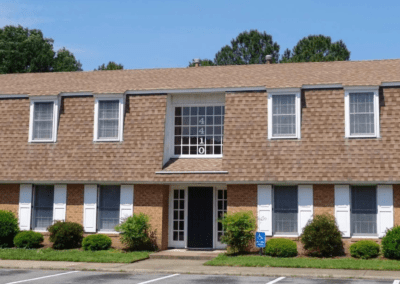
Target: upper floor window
x,y
199,130
362,112
284,114
43,119
109,117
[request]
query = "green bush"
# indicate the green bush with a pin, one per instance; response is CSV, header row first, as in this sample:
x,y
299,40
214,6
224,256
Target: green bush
x,y
321,237
66,235
136,234
239,230
8,228
391,243
28,239
281,248
96,242
364,249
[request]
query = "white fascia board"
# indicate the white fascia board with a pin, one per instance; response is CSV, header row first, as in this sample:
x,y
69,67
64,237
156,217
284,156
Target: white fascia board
x,y
390,84
322,86
361,88
288,91
201,90
109,96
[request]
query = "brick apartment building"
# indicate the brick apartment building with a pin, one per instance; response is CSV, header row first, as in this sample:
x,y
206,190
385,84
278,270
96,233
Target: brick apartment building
x,y
185,145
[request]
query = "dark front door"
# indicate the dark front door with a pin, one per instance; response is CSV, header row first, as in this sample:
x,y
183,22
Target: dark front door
x,y
200,217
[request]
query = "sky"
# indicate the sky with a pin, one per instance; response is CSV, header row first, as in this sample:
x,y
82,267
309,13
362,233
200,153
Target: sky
x,y
170,33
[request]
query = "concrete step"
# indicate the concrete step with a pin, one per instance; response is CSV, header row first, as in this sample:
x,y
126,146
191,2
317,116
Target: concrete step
x,y
186,254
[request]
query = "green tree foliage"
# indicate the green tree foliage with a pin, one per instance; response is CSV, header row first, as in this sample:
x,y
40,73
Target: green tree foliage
x,y
110,66
203,62
316,48
8,228
23,50
248,48
65,61
391,243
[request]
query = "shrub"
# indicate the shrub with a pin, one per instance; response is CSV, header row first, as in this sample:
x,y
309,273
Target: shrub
x,y
321,237
239,230
364,249
281,248
96,242
66,235
135,233
391,243
8,228
28,239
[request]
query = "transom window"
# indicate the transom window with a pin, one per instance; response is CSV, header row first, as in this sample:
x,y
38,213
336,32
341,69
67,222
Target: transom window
x,y
108,119
199,130
362,113
108,211
364,210
43,119
42,216
285,209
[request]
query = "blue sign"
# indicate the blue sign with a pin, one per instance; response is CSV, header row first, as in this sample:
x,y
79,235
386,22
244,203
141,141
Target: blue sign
x,y
260,239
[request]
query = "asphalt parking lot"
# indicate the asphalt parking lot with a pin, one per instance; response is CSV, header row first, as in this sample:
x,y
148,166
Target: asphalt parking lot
x,y
14,276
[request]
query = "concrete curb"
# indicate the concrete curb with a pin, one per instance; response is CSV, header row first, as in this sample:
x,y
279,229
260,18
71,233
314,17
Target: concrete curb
x,y
195,267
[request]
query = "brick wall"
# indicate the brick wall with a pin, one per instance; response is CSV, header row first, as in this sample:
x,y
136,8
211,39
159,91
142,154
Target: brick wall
x,y
242,198
324,199
153,201
75,203
9,197
396,204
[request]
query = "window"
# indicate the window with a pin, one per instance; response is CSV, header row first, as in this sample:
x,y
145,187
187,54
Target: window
x,y
43,120
42,207
285,209
108,119
178,209
363,210
284,114
199,131
222,203
108,211
362,112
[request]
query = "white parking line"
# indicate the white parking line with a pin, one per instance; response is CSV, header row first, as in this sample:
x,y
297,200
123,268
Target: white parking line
x,y
276,280
396,282
154,280
33,279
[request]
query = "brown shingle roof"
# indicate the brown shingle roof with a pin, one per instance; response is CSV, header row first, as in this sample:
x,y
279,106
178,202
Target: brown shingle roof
x,y
347,73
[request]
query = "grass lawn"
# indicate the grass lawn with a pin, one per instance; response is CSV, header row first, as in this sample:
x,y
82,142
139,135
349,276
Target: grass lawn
x,y
304,262
74,255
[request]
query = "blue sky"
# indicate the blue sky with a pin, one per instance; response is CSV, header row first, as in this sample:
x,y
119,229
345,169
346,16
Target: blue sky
x,y
163,33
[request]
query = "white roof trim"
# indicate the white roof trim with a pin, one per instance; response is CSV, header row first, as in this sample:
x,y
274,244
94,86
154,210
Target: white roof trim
x,y
14,96
390,84
44,98
322,86
206,90
361,88
77,94
192,172
283,90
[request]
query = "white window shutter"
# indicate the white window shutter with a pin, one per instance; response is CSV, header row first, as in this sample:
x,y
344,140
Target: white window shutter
x,y
90,208
385,209
126,203
306,205
25,206
342,208
264,209
60,202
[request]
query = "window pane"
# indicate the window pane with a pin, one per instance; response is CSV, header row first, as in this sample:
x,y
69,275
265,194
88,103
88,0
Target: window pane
x,y
109,119
362,113
285,209
283,115
43,121
363,210
43,206
109,201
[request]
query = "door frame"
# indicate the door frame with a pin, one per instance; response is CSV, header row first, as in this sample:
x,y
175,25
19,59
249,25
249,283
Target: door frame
x,y
185,187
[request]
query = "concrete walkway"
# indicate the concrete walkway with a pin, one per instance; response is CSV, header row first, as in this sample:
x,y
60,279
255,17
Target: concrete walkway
x,y
183,266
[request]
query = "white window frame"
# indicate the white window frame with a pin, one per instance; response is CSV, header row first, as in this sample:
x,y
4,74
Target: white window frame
x,y
287,91
354,90
108,97
44,99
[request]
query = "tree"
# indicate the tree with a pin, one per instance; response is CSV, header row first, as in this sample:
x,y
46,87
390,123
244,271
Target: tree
x,y
23,50
248,48
110,66
203,62
316,48
65,61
